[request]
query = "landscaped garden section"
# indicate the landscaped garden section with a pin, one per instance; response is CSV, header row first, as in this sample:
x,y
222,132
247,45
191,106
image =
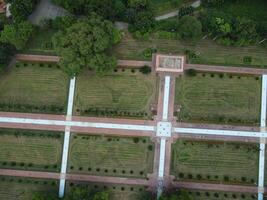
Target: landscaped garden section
x,y
123,93
12,188
28,87
218,98
30,150
111,156
215,161
212,195
204,51
122,192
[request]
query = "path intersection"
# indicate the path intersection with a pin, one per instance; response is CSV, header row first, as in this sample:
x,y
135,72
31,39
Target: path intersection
x,y
164,130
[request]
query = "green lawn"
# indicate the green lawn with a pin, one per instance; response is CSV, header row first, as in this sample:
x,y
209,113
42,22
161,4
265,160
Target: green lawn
x,y
211,195
41,43
24,189
218,99
32,88
121,93
111,156
30,150
165,6
122,192
208,52
215,161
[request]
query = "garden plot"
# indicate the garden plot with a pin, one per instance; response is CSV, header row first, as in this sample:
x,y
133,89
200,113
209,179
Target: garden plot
x,y
30,150
111,156
124,93
24,189
34,88
215,161
218,98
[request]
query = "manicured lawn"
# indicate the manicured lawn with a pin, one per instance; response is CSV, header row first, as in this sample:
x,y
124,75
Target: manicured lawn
x,y
111,156
208,52
211,195
32,88
215,161
165,6
117,94
24,189
216,99
30,150
122,192
41,43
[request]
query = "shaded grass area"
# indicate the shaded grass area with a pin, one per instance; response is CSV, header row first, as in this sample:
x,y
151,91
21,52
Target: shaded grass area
x,y
213,195
215,161
30,150
41,43
164,6
111,156
34,88
218,98
122,192
121,93
205,51
24,189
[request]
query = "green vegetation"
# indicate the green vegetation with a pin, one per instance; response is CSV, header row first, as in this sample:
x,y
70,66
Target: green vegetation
x,y
190,28
164,6
121,93
33,88
204,51
111,156
30,150
84,46
215,161
24,189
218,98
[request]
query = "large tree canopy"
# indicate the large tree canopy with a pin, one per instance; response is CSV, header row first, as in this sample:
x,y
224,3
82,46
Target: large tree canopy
x,y
190,28
17,34
84,45
21,9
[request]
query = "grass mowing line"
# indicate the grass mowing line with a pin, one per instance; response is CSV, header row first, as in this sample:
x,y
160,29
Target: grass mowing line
x,y
23,188
108,156
215,161
118,91
33,88
207,50
218,99
38,152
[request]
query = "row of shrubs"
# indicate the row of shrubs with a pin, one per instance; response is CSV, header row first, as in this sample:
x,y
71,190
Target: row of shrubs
x,y
145,70
216,177
19,133
114,171
26,165
31,108
112,112
28,64
140,189
225,195
28,181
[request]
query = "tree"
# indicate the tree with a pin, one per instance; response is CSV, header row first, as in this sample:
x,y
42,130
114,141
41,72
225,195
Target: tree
x,y
17,34
190,28
84,45
21,9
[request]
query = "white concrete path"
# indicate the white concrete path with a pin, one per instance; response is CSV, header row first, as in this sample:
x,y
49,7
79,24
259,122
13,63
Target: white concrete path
x,y
262,140
66,144
166,98
162,158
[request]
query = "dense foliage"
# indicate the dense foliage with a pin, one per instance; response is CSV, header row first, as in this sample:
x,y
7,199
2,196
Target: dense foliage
x,y
84,45
190,28
17,34
5,54
21,9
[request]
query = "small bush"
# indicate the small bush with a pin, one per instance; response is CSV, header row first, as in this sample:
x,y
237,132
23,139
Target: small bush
x,y
136,140
145,69
191,72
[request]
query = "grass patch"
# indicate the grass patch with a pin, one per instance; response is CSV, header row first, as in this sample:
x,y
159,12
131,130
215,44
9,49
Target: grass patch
x,y
219,98
205,51
123,192
34,88
211,195
111,156
122,93
164,6
215,161
30,150
12,188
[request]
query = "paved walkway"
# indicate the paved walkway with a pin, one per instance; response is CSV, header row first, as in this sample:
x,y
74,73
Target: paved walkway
x,y
66,144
